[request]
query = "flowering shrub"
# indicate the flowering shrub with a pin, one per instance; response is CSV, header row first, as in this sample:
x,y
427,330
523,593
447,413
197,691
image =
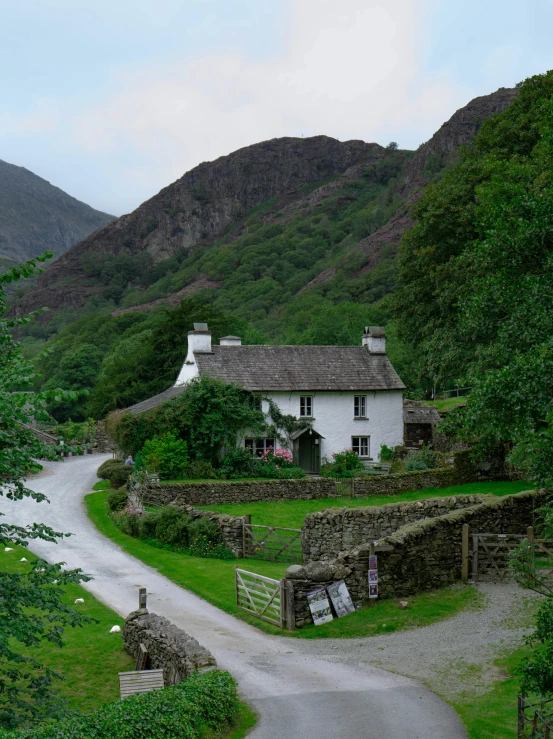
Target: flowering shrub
x,y
278,457
344,464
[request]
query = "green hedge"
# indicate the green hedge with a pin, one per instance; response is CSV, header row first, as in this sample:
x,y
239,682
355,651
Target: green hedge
x,y
114,470
204,702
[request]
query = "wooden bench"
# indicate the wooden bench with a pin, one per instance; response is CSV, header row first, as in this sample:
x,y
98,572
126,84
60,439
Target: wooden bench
x,y
142,681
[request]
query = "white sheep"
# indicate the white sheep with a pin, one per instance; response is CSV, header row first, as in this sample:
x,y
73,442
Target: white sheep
x,y
8,549
79,600
22,559
114,629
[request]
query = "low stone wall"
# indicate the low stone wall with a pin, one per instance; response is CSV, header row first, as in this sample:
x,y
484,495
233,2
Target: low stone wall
x,y
461,470
169,648
227,491
420,556
327,533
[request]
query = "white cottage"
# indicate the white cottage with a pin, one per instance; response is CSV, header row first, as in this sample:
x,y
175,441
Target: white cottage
x,y
351,395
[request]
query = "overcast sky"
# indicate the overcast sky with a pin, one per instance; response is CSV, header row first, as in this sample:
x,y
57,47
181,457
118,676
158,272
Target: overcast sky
x,y
111,100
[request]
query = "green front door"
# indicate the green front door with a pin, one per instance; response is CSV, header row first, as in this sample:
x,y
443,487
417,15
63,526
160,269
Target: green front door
x,y
309,457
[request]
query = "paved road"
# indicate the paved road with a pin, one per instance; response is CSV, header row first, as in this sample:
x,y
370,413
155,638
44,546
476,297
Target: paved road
x,y
296,692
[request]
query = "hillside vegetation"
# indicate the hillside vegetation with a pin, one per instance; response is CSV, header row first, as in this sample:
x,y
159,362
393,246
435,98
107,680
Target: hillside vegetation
x,y
312,264
476,275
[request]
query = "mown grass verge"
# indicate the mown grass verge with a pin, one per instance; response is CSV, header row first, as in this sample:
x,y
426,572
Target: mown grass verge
x,y
213,579
291,513
91,657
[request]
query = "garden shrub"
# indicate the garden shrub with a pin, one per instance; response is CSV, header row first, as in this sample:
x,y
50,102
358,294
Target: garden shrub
x,y
239,462
344,464
201,469
203,703
114,470
388,454
167,455
117,499
424,459
172,527
203,535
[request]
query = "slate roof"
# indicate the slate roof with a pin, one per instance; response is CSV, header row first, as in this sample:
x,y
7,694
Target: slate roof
x,y
262,368
156,400
300,368
420,414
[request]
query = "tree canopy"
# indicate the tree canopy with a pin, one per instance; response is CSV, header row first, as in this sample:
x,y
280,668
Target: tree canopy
x,y
31,605
476,280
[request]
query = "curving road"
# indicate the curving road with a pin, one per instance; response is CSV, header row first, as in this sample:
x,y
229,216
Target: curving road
x,y
295,692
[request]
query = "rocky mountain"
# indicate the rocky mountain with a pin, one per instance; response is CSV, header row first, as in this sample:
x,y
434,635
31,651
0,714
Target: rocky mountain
x,y
353,197
36,216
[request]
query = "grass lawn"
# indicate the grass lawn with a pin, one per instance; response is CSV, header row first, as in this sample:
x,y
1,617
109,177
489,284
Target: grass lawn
x,y
91,657
291,513
493,715
446,405
213,579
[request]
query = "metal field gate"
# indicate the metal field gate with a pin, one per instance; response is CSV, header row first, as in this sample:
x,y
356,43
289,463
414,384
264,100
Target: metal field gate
x,y
272,543
261,596
345,487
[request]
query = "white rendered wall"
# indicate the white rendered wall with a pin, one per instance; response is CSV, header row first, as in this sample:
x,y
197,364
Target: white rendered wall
x,y
333,418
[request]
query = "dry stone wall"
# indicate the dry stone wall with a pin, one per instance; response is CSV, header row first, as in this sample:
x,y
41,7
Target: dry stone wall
x,y
327,533
250,491
420,556
169,648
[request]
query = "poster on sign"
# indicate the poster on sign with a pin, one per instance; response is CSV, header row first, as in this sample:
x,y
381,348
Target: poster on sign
x,y
373,562
341,599
373,576
373,590
319,607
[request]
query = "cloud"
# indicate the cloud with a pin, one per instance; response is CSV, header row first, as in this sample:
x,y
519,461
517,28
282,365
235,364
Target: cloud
x,y
348,70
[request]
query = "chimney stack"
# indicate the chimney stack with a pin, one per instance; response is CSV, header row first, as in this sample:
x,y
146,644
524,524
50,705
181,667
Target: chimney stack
x,y
374,339
231,341
199,342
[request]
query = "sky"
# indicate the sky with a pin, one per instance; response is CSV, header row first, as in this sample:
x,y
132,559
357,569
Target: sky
x,y
112,100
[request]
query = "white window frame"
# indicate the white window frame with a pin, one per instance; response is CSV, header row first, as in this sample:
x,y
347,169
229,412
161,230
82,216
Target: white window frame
x,y
360,444
306,406
360,406
259,446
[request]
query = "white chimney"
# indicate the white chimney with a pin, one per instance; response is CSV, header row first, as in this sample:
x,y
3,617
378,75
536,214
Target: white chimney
x,y
375,339
199,342
231,341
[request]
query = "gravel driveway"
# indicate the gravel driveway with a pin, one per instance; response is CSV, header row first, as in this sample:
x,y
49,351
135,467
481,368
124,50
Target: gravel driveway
x,y
314,690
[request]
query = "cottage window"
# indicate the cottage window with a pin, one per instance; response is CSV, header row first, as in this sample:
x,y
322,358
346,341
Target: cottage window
x,y
361,445
259,446
360,406
306,406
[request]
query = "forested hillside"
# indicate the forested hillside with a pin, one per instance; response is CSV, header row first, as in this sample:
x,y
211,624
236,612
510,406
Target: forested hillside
x,y
313,263
475,302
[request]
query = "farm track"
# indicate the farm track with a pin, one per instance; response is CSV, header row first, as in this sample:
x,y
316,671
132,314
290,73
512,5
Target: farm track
x,y
299,688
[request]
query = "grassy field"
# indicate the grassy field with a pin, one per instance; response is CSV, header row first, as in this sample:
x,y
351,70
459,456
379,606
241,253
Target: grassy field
x,y
91,657
213,579
446,405
291,513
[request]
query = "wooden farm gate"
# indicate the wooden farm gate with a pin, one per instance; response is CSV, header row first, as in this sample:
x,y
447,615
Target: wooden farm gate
x,y
491,554
535,720
272,543
261,596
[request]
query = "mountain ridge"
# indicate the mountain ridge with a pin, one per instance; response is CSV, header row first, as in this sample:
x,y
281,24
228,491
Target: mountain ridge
x,y
36,216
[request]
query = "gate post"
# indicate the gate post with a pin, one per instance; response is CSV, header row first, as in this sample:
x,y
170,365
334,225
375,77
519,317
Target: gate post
x,y
290,605
475,557
465,553
246,534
